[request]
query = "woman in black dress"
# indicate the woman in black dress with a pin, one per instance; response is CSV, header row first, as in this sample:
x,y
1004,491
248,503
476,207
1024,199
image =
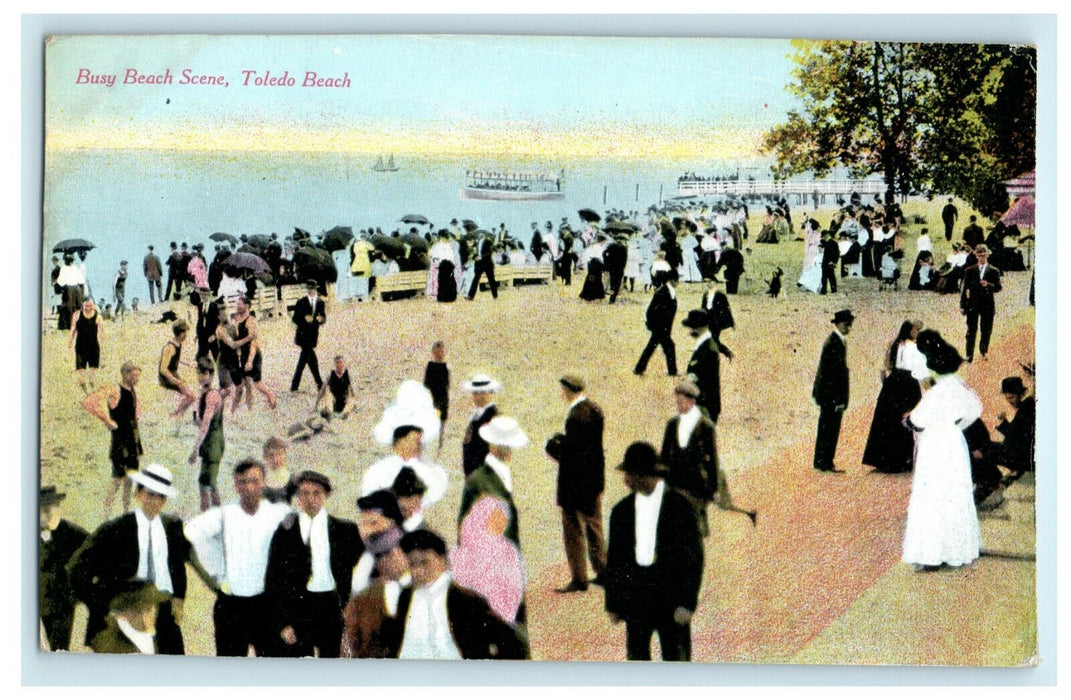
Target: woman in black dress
x,y
86,334
890,446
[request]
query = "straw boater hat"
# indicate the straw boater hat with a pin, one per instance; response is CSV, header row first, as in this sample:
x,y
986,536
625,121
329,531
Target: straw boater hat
x,y
482,383
687,388
156,478
504,432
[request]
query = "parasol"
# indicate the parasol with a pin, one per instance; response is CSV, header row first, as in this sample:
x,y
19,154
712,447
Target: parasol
x,y
224,238
1021,213
315,264
241,262
415,219
589,215
338,238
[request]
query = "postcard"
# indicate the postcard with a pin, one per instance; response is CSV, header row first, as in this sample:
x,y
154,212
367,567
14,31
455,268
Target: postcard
x,y
441,346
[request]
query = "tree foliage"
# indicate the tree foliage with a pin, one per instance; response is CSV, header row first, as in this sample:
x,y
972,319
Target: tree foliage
x,y
950,118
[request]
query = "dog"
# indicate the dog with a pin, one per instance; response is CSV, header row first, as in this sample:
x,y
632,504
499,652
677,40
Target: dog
x,y
775,284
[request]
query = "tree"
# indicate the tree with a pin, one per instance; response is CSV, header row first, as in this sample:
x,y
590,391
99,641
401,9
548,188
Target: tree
x,y
953,117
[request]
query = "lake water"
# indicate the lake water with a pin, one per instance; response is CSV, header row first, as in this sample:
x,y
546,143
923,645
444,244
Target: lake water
x,y
123,201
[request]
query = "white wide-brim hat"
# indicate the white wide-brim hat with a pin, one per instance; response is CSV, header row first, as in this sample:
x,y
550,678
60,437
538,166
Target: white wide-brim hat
x,y
413,406
504,432
156,478
483,383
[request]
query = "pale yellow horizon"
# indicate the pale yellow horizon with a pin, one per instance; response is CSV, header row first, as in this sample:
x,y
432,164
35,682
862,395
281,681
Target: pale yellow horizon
x,y
506,140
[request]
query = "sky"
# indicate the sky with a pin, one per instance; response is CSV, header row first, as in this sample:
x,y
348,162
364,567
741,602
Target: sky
x,y
431,94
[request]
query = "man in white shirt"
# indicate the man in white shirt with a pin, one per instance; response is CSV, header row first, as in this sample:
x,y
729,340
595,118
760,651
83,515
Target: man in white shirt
x,y
442,620
654,563
232,543
406,452
310,566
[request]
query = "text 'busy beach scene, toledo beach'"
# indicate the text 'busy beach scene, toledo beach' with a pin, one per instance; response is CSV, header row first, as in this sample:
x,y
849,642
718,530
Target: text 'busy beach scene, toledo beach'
x,y
470,347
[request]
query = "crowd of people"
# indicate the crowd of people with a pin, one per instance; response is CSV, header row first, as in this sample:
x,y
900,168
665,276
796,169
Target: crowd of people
x,y
293,579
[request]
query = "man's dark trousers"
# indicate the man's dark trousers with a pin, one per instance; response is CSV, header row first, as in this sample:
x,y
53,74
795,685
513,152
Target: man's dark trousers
x,y
241,622
974,319
674,639
825,444
484,266
668,348
307,357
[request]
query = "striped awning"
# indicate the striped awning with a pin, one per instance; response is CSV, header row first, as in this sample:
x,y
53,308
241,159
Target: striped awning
x,y
1024,184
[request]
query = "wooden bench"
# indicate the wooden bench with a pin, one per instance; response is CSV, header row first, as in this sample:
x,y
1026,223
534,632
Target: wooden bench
x,y
291,294
401,282
531,274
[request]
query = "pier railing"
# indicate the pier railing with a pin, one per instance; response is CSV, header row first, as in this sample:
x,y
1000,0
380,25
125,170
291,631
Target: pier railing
x,y
798,188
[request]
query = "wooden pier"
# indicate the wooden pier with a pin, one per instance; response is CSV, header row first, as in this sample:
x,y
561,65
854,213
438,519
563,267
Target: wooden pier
x,y
797,191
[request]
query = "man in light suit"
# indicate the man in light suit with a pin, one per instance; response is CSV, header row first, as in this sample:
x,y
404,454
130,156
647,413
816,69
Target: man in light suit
x,y
309,315
144,544
660,314
310,569
654,566
980,283
581,479
830,391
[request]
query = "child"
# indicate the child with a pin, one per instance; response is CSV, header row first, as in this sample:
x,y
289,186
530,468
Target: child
x,y
338,383
276,476
437,380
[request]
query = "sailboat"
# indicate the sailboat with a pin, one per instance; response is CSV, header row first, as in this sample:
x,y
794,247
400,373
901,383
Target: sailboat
x,y
390,167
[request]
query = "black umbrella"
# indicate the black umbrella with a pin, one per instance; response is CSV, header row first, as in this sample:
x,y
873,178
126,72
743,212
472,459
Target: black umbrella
x,y
620,227
338,238
241,262
224,238
415,219
72,245
258,240
470,225
483,232
315,264
589,215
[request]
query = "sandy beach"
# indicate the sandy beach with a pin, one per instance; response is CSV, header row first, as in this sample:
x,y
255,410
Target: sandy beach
x,y
817,581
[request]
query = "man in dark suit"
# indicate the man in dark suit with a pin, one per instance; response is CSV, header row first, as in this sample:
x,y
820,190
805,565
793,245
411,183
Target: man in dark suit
x,y
830,391
310,569
949,215
581,479
690,453
60,539
830,256
660,314
482,388
654,566
973,235
309,315
704,367
416,631
485,265
980,282
144,544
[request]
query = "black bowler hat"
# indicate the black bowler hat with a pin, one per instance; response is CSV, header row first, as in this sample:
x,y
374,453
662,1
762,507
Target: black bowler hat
x,y
382,502
1012,385
843,316
696,318
641,459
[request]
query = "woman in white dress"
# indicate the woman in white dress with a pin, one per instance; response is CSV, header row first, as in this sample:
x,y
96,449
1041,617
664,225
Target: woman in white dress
x,y
942,522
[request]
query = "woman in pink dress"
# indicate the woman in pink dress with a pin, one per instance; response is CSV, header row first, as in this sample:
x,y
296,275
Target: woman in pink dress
x,y
487,562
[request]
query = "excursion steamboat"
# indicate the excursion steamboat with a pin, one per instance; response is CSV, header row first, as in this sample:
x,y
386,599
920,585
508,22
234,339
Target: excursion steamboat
x,y
539,187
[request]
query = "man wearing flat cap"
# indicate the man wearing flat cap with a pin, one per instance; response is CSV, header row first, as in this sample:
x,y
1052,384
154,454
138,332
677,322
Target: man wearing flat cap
x,y
830,391
309,315
654,565
310,571
144,544
133,615
581,479
980,282
60,539
482,389
704,367
690,453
